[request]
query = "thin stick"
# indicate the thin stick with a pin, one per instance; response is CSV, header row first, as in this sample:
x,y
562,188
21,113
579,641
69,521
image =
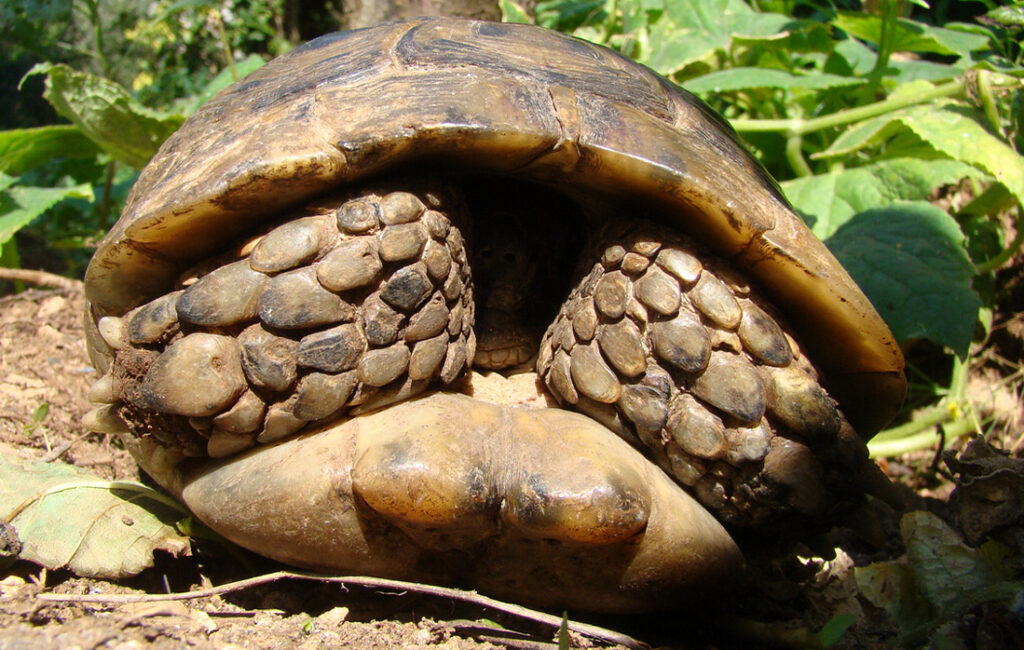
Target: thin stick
x,y
63,448
591,631
41,278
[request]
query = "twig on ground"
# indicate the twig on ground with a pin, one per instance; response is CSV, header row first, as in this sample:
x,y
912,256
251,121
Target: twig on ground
x,y
590,631
63,448
41,278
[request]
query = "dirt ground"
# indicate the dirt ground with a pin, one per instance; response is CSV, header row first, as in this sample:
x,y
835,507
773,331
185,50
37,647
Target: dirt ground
x,y
43,360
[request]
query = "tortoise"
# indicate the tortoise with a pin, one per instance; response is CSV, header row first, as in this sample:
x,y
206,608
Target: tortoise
x,y
483,304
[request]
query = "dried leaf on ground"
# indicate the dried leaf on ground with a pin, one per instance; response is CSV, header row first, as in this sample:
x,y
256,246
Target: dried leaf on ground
x,y
938,579
66,518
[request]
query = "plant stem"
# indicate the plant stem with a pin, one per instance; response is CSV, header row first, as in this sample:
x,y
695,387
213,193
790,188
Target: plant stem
x,y
609,24
1004,256
223,34
988,102
97,28
938,414
922,440
889,448
795,156
10,259
103,207
802,127
889,11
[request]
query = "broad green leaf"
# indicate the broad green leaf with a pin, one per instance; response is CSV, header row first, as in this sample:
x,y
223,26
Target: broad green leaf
x,y
67,518
861,134
513,12
568,15
860,57
107,113
742,78
891,586
6,181
876,129
964,42
224,79
1007,16
960,137
910,36
950,131
691,30
945,568
23,149
827,201
639,14
910,261
799,36
19,205
911,70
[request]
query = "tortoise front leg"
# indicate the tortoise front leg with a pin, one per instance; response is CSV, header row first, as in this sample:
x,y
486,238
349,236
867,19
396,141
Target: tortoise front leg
x,y
347,305
665,344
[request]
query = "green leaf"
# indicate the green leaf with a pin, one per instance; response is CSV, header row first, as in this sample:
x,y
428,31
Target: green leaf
x,y
569,15
860,57
513,12
106,113
835,628
742,78
873,130
638,15
23,149
1007,16
960,137
691,30
912,70
911,36
945,568
861,134
224,79
799,36
827,201
67,518
910,261
891,586
949,130
6,181
20,205
37,418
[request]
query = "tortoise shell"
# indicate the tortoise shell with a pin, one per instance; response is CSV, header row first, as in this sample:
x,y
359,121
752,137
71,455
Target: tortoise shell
x,y
502,98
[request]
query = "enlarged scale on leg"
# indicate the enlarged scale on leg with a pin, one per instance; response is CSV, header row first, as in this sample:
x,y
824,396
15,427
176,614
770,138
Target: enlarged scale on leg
x,y
325,311
659,341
